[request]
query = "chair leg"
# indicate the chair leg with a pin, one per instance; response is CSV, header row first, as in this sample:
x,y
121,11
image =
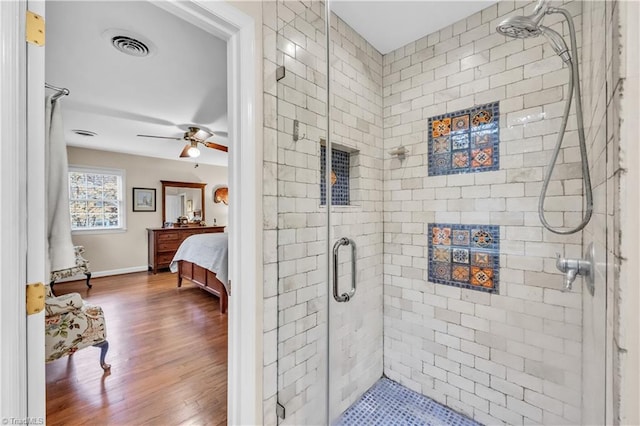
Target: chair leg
x,y
104,347
88,274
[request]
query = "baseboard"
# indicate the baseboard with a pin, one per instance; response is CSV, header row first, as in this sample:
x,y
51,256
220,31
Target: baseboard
x,y
99,274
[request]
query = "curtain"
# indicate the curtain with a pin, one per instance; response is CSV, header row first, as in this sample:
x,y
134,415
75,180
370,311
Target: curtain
x,y
61,252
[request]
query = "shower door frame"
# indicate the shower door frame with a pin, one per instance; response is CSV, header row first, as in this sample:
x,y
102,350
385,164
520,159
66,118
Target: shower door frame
x,y
626,382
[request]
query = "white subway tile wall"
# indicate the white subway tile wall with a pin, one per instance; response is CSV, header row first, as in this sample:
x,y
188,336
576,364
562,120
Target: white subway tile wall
x,y
508,358
498,358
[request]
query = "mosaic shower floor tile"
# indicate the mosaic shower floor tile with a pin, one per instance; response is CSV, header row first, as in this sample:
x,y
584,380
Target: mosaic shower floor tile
x,y
390,403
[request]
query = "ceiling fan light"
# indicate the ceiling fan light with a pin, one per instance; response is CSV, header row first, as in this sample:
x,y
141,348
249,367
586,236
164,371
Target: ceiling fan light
x,y
193,152
202,135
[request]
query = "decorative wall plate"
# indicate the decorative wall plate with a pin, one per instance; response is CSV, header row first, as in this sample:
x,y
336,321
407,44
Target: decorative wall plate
x,y
221,195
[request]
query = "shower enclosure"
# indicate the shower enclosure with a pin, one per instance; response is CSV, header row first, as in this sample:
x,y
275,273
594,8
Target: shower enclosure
x,y
401,214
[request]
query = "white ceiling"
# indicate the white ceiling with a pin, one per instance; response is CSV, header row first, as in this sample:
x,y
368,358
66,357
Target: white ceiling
x,y
184,82
388,25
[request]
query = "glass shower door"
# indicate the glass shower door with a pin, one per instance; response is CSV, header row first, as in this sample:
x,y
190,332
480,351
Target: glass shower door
x,y
329,200
352,164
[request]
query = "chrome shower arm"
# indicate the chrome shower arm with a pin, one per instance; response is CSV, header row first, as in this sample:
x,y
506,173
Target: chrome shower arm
x,y
541,6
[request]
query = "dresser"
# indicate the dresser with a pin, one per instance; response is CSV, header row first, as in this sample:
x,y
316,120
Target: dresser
x,y
164,242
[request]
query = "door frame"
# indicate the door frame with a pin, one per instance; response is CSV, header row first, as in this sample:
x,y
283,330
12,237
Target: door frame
x,y
245,302
13,268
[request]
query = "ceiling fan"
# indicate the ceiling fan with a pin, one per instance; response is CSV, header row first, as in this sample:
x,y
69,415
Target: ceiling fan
x,y
193,136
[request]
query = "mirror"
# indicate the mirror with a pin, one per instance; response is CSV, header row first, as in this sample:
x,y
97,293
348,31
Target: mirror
x,y
182,203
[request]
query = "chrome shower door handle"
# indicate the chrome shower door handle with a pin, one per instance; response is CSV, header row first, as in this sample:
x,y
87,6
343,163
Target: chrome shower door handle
x,y
344,297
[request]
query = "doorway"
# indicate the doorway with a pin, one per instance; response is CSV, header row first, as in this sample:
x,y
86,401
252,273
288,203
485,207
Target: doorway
x,y
157,48
25,395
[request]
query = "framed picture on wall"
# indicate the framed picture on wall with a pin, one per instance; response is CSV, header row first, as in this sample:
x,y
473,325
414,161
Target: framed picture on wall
x,y
144,199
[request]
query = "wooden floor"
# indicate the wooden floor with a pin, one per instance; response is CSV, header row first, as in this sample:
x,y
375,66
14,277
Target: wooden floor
x,y
168,356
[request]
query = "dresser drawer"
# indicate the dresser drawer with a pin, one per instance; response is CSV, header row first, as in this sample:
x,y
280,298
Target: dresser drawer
x,y
168,236
168,245
164,259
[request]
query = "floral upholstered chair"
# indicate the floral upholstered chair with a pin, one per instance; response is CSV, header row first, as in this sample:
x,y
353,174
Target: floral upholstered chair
x,y
72,324
82,266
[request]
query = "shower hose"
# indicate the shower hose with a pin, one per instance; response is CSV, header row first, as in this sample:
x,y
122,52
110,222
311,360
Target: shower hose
x,y
574,88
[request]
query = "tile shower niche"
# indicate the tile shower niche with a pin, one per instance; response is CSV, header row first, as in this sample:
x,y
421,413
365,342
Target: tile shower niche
x,y
342,173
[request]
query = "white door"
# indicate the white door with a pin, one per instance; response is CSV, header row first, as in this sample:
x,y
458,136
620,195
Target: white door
x,y
36,223
22,381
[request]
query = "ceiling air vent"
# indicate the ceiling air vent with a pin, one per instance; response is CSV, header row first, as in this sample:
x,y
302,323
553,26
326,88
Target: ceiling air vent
x,y
130,46
84,132
129,43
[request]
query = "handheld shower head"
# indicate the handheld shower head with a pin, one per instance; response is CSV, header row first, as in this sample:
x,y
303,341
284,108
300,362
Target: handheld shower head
x,y
557,43
524,26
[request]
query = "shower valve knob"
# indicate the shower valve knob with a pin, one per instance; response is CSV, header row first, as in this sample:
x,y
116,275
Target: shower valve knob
x,y
572,268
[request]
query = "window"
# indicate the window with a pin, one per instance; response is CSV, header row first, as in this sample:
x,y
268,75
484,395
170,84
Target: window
x,y
96,200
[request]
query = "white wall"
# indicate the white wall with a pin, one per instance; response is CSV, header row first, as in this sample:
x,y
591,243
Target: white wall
x,y
125,250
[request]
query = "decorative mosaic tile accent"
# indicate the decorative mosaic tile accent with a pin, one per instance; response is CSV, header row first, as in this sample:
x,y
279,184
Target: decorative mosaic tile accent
x,y
466,256
442,270
460,273
442,236
339,177
461,237
441,145
442,254
441,127
460,255
465,141
482,259
460,141
389,403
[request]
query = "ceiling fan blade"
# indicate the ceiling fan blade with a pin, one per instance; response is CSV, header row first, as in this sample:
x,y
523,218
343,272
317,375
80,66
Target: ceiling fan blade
x,y
215,146
159,137
185,151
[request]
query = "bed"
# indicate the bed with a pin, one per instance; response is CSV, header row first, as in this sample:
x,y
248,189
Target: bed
x,y
203,260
